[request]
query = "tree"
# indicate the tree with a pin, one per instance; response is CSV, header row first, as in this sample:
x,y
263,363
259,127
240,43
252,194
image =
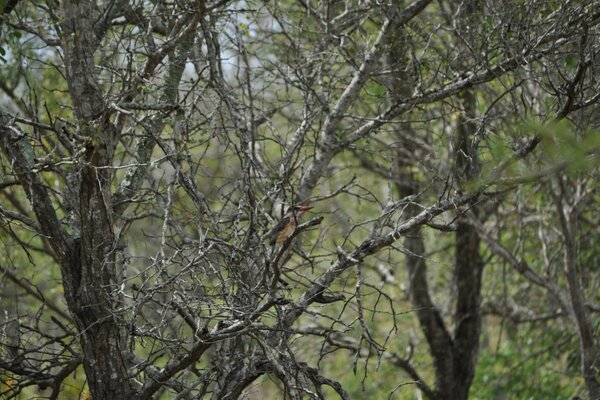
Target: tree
x,y
150,147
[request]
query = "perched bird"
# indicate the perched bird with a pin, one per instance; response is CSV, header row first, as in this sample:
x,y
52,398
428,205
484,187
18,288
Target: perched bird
x,y
287,225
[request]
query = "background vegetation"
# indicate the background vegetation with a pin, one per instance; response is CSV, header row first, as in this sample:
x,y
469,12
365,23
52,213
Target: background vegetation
x,y
449,148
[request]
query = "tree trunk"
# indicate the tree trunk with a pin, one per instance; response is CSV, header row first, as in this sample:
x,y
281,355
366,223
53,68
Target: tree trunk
x,y
589,351
89,270
468,263
454,355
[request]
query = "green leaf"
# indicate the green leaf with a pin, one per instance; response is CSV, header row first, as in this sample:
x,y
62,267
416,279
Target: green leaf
x,y
571,61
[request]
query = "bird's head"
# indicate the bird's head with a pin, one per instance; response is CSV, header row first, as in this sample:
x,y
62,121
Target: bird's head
x,y
302,207
298,209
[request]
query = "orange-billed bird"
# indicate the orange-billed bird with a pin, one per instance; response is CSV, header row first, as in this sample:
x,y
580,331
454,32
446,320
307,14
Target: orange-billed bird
x,y
286,227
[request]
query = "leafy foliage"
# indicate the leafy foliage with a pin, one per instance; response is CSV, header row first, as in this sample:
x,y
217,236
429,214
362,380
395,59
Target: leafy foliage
x,y
450,151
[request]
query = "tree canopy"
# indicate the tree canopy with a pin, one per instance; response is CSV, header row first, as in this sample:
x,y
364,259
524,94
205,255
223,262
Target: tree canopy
x,y
448,149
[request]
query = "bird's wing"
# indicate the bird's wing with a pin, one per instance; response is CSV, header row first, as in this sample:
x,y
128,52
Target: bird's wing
x,y
278,228
286,232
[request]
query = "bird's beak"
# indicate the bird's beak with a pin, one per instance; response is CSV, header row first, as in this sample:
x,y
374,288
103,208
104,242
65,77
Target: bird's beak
x,y
304,208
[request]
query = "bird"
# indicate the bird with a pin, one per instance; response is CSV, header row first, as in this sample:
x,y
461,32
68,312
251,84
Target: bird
x,y
287,225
